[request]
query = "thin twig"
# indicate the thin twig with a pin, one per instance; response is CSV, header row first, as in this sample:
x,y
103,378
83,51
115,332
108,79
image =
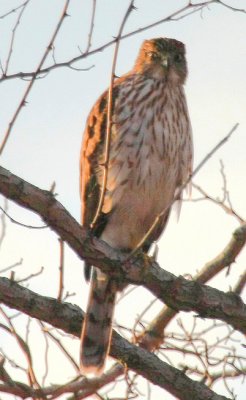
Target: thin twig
x,y
60,345
109,114
238,288
29,87
225,258
172,17
46,355
221,203
137,321
61,270
153,336
243,10
3,221
16,264
137,359
20,223
13,10
13,37
89,43
33,275
25,349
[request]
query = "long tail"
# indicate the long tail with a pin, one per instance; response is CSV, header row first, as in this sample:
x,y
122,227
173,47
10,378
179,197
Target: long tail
x,y
97,326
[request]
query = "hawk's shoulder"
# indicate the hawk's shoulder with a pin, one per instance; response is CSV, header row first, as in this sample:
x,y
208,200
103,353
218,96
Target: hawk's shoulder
x,y
92,155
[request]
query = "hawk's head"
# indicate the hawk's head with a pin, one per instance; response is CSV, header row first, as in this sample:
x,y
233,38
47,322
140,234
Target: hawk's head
x,y
162,58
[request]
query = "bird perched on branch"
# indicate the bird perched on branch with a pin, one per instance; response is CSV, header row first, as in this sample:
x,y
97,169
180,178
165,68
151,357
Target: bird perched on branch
x,y
149,157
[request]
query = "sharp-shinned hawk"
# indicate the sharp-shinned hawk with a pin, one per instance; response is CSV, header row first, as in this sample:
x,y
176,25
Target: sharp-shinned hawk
x,y
150,157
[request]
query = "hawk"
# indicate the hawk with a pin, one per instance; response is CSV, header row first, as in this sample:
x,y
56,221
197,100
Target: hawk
x,y
150,157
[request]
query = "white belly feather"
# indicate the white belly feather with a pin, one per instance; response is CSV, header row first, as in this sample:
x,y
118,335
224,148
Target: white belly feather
x,y
150,157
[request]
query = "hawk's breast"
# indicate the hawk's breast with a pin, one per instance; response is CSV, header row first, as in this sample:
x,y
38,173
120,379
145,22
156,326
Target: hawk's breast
x,y
149,156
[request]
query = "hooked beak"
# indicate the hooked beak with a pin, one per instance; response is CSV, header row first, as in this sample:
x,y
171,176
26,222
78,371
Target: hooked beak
x,y
165,62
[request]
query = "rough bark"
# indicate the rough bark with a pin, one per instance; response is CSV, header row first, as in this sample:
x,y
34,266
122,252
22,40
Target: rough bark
x,y
177,293
69,317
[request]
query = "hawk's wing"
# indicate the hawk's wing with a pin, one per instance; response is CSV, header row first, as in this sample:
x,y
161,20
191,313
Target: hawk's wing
x,y
91,155
91,164
91,151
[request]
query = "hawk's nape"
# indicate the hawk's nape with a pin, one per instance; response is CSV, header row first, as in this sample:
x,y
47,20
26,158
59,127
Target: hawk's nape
x,y
150,157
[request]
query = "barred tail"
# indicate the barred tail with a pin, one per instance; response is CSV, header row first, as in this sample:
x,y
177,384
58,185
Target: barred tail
x,y
97,326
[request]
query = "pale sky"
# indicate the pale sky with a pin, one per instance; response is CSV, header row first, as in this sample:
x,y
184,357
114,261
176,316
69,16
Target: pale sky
x,y
45,142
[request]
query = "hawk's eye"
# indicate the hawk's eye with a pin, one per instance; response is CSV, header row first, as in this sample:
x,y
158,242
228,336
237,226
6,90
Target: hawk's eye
x,y
152,55
177,58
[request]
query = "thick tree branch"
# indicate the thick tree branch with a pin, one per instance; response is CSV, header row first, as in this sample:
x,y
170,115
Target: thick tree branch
x,y
152,337
177,293
69,317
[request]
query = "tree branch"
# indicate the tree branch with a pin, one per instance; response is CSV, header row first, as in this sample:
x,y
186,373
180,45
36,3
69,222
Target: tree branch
x,y
33,79
177,293
181,13
69,317
153,335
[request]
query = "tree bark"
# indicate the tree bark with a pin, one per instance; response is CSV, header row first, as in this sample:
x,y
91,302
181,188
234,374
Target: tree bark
x,y
69,318
178,293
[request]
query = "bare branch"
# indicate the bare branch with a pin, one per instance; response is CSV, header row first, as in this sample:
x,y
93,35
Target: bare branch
x,y
89,43
130,8
26,351
16,264
82,387
30,276
178,293
227,256
185,11
29,87
59,344
221,203
68,317
242,10
3,222
14,221
61,270
13,10
5,71
152,337
238,288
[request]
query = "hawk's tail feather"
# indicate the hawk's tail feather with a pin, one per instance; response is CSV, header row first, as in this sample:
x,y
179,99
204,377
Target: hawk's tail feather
x,y
97,326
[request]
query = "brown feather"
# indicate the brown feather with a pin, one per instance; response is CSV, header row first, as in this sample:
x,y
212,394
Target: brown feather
x,y
150,157
97,327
